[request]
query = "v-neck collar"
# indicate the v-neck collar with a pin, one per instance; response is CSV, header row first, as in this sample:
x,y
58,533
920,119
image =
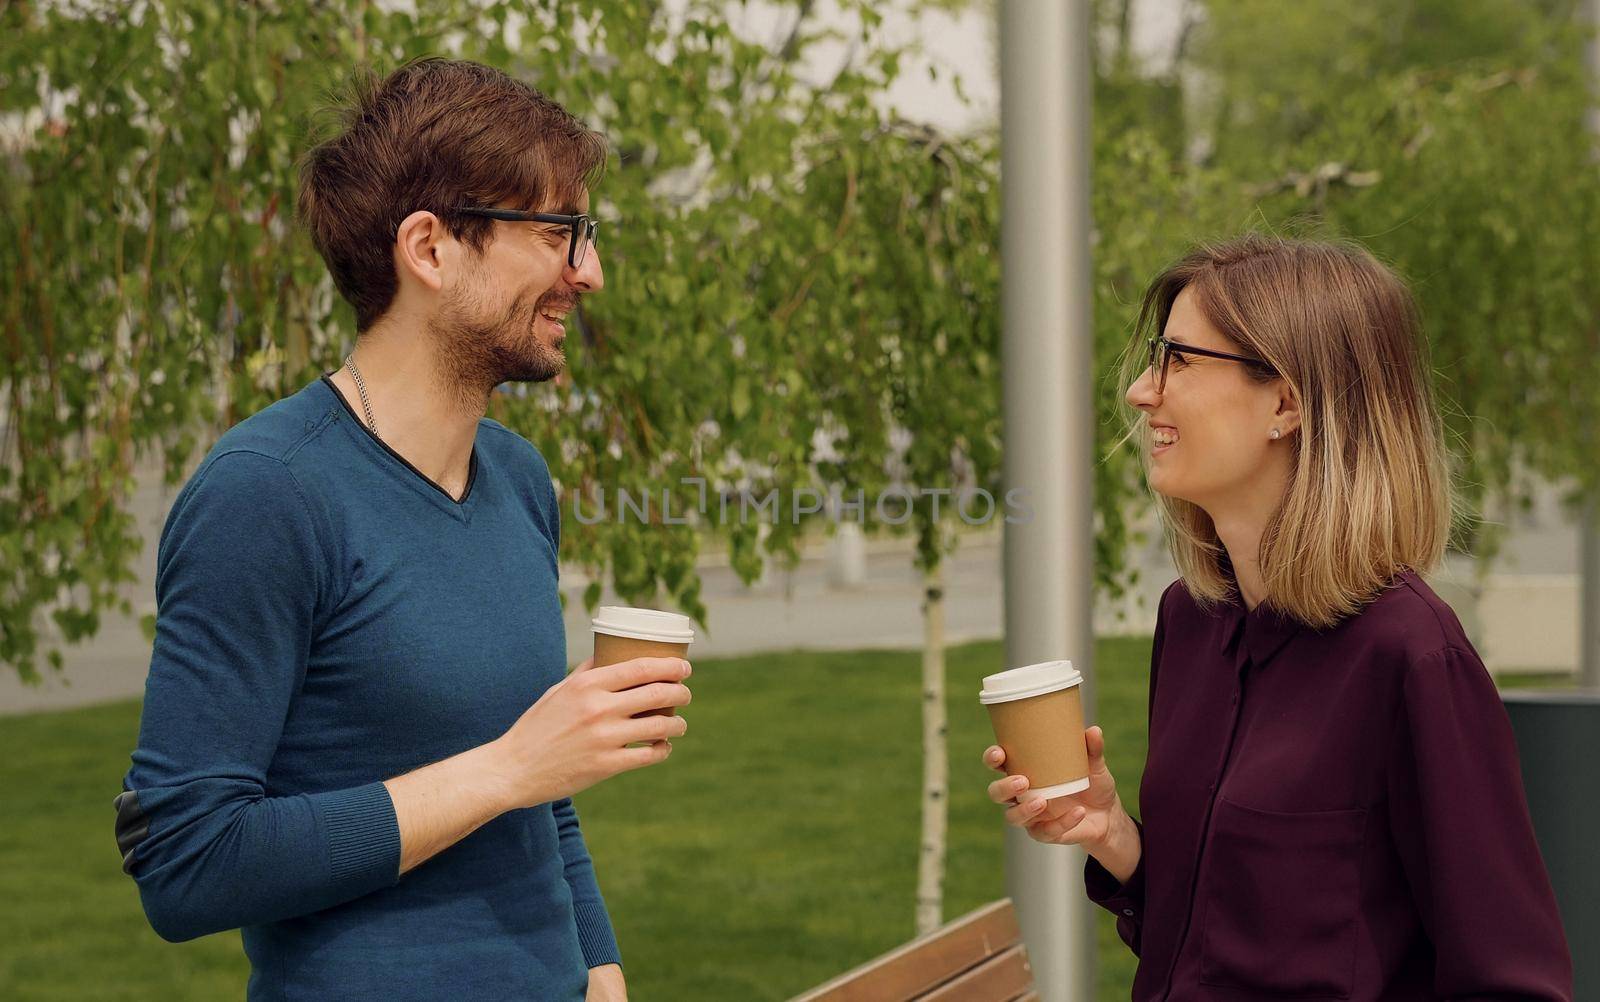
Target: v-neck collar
x,y
462,506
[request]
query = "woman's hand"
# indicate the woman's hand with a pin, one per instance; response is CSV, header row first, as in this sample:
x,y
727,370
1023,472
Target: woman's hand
x,y
1087,818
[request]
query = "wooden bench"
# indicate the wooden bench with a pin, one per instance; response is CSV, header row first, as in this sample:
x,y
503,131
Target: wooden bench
x,y
977,958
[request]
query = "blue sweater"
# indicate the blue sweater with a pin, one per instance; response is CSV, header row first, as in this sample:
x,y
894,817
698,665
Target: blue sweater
x,y
329,618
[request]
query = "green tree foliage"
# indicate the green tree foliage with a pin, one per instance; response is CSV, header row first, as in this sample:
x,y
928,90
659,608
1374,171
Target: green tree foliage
x,y
1450,137
802,290
156,290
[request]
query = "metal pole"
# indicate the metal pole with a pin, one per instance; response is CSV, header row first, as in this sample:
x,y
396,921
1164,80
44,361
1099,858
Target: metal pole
x,y
1589,510
1589,594
1045,81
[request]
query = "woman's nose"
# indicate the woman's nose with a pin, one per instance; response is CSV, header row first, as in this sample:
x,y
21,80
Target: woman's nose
x,y
1142,393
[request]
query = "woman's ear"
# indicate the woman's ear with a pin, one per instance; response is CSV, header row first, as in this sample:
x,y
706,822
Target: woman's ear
x,y
1287,416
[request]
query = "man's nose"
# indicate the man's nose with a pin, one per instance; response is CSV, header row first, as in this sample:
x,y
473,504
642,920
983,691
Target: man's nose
x,y
589,275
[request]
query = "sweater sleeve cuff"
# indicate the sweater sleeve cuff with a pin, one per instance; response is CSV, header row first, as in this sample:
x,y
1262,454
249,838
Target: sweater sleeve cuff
x,y
363,837
594,934
1125,899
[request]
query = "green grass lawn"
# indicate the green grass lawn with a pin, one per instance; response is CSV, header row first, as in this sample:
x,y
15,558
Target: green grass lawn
x,y
776,848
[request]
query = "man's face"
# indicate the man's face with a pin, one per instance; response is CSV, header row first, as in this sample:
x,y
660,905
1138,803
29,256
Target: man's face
x,y
505,320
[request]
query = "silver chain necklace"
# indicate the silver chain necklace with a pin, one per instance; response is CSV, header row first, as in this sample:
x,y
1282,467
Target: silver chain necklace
x,y
361,388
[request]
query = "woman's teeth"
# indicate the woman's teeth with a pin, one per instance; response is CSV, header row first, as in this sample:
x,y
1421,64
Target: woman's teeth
x,y
1165,436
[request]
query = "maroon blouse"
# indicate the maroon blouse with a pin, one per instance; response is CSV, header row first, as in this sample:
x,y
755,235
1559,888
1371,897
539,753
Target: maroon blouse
x,y
1332,815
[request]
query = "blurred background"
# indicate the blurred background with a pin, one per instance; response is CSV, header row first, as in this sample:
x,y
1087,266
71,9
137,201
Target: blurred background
x,y
801,236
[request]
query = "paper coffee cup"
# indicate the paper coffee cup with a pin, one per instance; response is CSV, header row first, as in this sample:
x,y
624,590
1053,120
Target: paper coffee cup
x,y
622,633
1037,713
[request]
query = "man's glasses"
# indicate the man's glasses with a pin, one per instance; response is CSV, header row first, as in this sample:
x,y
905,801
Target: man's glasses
x,y
1162,350
581,226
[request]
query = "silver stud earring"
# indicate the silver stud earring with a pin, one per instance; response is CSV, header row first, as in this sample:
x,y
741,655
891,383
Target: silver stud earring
x,y
1274,433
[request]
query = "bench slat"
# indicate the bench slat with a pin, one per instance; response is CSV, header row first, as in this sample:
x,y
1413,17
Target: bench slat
x,y
926,963
995,980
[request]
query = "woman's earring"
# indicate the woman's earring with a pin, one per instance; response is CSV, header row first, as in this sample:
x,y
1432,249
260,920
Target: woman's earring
x,y
1274,433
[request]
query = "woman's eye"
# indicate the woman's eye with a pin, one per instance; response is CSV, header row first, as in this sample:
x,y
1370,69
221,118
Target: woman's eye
x,y
1180,360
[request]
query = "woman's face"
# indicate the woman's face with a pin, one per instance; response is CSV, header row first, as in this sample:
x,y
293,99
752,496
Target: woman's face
x,y
1219,421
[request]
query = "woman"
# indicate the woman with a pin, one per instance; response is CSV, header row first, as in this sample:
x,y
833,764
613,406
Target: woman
x,y
1333,806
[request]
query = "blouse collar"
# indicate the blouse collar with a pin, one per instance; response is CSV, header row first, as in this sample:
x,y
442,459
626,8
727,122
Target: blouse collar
x,y
1265,629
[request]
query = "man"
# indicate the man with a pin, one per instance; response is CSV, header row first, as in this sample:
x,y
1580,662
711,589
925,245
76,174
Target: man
x,y
358,741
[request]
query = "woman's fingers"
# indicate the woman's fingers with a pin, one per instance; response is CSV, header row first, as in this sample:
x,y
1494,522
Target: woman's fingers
x,y
1025,812
1095,739
1005,791
1046,820
1060,829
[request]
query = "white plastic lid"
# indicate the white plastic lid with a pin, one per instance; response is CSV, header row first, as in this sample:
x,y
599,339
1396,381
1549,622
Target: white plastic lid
x,y
644,624
1030,680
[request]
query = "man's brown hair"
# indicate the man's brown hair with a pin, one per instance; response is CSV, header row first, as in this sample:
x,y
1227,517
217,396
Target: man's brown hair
x,y
433,135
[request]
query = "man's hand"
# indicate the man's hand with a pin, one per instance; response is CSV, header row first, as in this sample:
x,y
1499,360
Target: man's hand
x,y
579,731
605,984
573,737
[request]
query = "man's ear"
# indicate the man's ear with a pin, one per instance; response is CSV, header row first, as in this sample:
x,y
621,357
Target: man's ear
x,y
420,251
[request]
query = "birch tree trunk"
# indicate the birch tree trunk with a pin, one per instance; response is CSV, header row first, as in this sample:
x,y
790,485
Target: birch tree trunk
x,y
935,764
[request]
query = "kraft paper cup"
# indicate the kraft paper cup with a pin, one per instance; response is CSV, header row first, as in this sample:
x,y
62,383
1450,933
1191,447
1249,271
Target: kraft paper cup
x,y
622,633
1037,713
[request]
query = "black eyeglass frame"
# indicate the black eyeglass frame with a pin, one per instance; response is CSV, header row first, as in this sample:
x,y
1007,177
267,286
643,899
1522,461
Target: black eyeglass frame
x,y
1166,349
578,223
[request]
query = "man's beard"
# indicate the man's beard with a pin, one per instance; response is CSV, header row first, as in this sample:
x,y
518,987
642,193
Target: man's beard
x,y
476,355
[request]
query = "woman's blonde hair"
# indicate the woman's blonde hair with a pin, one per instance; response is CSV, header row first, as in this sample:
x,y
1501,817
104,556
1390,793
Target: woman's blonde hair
x,y
1370,493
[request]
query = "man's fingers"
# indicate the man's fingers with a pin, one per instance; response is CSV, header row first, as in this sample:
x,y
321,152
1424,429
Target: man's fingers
x,y
638,671
654,728
650,754
654,696
1095,739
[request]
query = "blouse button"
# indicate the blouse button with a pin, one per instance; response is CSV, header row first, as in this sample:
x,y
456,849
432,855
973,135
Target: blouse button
x,y
1128,912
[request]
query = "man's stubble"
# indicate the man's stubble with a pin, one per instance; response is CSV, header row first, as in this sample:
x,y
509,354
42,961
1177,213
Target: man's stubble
x,y
477,354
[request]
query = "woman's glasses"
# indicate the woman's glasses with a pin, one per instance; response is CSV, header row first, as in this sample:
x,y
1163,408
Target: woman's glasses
x,y
1162,350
